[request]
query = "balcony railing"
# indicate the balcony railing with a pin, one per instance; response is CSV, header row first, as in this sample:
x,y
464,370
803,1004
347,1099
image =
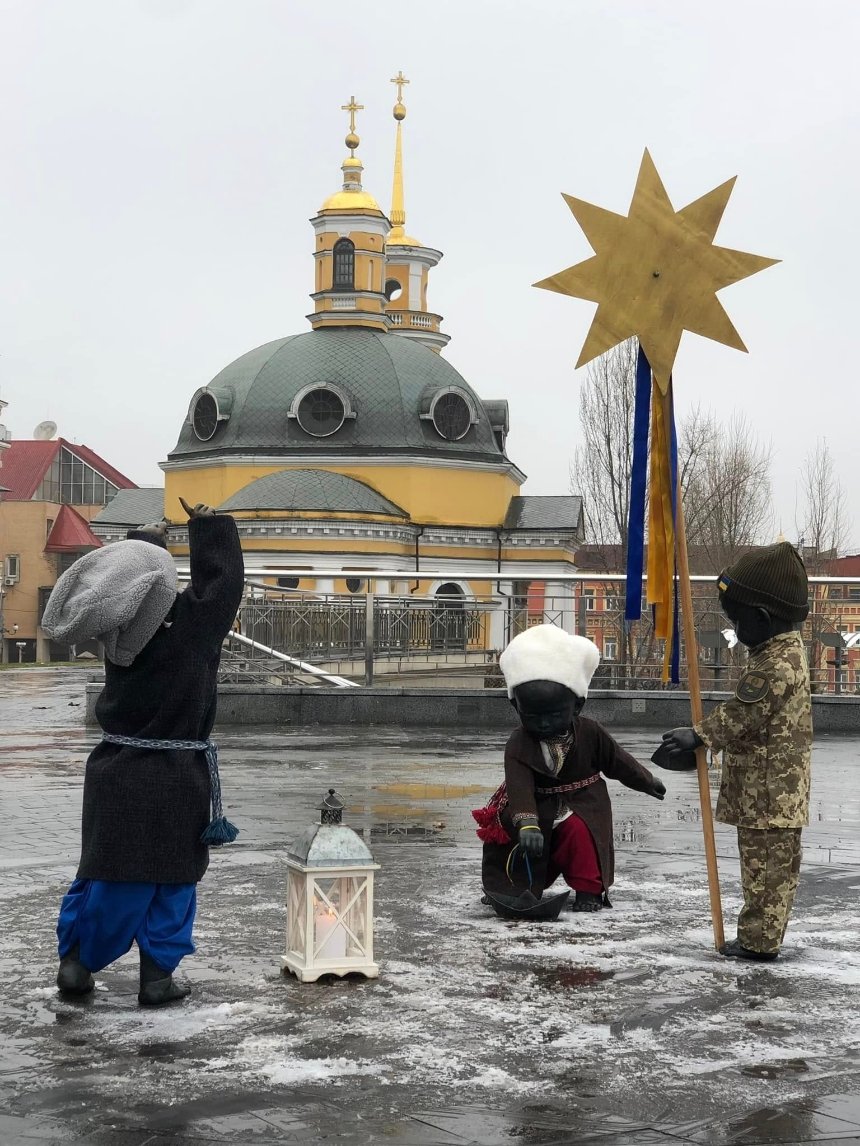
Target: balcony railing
x,y
372,637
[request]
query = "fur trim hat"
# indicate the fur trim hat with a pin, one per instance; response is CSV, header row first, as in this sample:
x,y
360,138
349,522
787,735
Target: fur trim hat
x,y
546,652
773,577
120,595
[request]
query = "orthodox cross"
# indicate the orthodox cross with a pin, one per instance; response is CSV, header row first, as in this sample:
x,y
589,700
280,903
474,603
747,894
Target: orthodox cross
x,y
352,107
400,80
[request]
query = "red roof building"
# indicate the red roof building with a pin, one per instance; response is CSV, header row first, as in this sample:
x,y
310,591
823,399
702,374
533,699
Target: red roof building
x,y
53,490
70,533
28,464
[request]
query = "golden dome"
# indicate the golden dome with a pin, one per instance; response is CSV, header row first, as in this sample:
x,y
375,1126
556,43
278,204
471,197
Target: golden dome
x,y
398,238
399,111
351,201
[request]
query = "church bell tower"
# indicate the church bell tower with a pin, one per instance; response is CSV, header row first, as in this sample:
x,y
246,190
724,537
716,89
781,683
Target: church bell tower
x,y
350,232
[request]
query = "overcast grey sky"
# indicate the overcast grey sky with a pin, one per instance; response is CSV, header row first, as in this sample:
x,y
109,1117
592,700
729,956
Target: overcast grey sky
x,y
161,159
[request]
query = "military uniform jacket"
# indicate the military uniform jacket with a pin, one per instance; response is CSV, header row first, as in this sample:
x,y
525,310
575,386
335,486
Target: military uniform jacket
x,y
765,732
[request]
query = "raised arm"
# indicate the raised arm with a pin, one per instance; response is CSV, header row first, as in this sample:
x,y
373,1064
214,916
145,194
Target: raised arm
x,y
217,574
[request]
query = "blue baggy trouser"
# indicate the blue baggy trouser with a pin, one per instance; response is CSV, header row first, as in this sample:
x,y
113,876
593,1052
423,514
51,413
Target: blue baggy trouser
x,y
104,918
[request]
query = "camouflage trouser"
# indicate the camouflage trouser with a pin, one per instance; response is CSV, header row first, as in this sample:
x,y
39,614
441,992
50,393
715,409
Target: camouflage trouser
x,y
770,864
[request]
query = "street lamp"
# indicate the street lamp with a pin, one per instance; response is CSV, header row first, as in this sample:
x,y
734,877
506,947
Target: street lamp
x,y
330,873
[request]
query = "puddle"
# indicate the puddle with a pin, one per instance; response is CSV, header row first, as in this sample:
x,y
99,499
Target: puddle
x,y
158,1050
431,791
392,830
566,978
776,1069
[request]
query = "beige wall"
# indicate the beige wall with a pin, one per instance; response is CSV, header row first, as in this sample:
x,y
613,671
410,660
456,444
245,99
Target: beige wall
x,y
24,530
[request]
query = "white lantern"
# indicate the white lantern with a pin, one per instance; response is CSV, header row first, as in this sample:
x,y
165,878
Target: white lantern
x,y
329,900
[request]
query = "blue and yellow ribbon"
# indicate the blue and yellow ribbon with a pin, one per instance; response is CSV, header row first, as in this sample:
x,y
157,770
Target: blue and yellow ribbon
x,y
654,478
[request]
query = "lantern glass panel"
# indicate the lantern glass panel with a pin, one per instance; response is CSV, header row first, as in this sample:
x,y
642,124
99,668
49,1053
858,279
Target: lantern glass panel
x,y
340,910
296,914
356,915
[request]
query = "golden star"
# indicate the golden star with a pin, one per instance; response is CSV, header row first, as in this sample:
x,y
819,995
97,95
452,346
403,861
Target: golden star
x,y
655,272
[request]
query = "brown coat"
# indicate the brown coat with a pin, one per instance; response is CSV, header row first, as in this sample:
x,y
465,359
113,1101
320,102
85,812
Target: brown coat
x,y
593,751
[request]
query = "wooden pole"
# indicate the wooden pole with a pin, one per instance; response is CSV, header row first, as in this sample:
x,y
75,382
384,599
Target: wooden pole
x,y
691,645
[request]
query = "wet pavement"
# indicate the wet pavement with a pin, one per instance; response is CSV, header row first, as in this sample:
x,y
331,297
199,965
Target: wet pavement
x,y
622,1027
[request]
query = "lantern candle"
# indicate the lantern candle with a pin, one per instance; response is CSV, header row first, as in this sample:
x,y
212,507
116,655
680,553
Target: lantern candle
x,y
330,936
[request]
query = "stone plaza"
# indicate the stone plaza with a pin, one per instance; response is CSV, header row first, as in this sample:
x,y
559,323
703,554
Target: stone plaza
x,y
620,1027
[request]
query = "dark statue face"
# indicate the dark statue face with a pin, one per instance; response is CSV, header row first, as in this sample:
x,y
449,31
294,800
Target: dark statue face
x,y
753,624
546,709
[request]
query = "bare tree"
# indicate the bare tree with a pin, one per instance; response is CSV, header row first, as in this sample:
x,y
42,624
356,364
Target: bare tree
x,y
603,460
724,473
727,492
825,522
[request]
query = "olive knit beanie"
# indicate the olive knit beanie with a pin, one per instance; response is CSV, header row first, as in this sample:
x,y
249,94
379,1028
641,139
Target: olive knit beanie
x,y
773,578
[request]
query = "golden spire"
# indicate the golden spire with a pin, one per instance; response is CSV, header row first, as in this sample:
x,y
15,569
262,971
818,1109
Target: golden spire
x,y
398,235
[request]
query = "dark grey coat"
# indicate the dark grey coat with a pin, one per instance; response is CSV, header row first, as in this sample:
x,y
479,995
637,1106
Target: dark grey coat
x,y
144,810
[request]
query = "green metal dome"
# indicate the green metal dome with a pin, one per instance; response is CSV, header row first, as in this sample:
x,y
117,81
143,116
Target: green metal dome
x,y
297,490
346,392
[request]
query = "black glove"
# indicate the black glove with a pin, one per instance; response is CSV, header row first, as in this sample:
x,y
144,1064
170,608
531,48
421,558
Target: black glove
x,y
531,840
682,740
657,789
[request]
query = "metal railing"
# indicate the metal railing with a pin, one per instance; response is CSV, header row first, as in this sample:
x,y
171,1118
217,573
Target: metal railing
x,y
384,638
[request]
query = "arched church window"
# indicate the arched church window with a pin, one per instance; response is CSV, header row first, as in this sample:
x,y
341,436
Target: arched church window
x,y
344,265
449,589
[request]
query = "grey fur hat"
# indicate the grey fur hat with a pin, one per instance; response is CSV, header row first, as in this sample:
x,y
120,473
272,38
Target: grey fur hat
x,y
119,595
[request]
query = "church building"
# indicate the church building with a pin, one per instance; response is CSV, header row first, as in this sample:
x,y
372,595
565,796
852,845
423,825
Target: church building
x,y
356,449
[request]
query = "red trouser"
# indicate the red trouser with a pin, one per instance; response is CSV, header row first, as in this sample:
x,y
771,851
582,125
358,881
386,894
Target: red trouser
x,y
574,856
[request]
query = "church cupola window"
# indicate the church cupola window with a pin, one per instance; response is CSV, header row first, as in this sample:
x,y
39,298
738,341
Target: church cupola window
x,y
393,290
452,414
344,265
321,409
208,411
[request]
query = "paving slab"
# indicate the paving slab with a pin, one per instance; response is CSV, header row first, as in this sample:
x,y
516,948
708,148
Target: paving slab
x,y
619,1027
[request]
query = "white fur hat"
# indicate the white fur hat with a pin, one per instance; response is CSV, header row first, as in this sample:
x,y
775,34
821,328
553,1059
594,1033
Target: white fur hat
x,y
546,652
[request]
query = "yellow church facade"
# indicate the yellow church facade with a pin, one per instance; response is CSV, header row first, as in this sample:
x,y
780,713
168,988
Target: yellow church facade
x,y
356,447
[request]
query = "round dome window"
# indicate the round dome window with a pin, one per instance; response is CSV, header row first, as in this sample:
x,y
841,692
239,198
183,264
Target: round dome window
x,y
321,412
204,416
452,415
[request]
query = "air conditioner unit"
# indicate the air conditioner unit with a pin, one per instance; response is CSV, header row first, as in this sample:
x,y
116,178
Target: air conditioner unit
x,y
10,580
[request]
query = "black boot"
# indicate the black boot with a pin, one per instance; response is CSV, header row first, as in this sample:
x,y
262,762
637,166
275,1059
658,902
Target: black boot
x,y
587,901
73,978
156,985
734,949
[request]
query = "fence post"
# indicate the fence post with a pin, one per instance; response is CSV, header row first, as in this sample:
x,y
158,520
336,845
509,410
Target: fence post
x,y
368,637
